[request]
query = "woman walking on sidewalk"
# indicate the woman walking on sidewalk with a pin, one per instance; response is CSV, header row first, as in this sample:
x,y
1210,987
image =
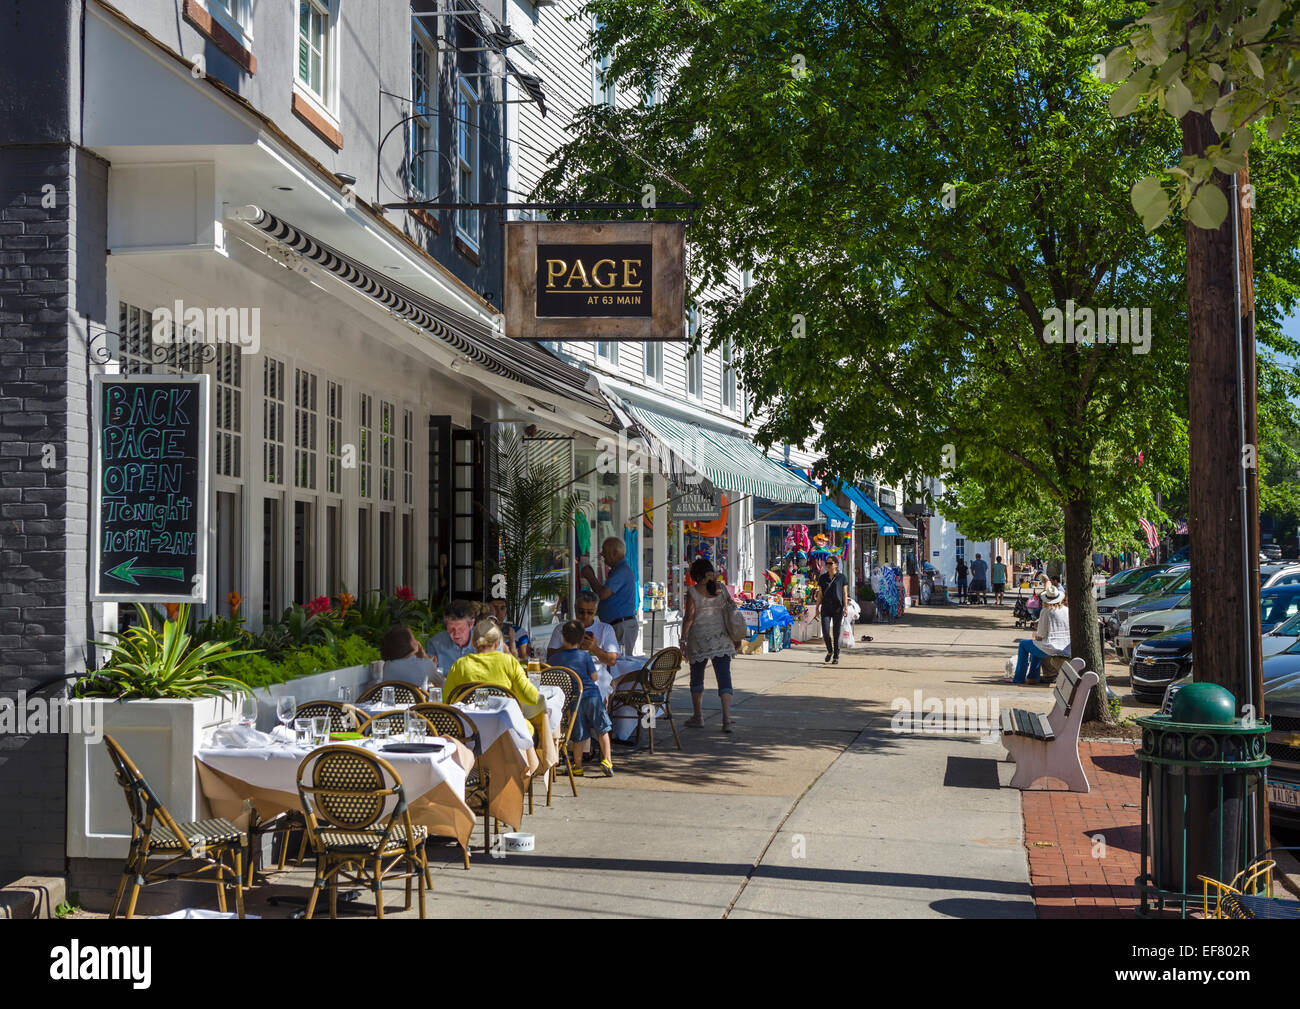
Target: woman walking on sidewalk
x,y
832,601
705,638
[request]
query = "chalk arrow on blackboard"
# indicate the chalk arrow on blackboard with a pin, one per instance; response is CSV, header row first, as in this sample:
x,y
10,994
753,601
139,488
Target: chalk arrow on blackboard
x,y
128,572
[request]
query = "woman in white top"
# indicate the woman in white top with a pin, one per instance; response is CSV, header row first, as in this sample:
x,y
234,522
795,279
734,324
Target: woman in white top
x,y
1051,638
705,638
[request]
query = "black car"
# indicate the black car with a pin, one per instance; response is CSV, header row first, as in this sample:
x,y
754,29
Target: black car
x,y
1282,708
1159,660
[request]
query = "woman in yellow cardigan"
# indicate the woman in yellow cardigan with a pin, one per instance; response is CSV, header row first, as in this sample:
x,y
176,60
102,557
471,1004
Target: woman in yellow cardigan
x,y
488,665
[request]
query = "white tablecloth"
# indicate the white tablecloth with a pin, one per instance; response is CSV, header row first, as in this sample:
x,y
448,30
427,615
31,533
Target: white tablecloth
x,y
629,664
276,768
494,717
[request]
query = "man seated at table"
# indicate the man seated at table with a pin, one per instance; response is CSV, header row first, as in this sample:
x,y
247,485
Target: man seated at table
x,y
592,722
449,645
405,659
488,664
599,641
515,638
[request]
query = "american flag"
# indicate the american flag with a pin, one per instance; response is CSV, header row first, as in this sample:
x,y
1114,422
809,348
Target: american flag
x,y
1153,538
1180,527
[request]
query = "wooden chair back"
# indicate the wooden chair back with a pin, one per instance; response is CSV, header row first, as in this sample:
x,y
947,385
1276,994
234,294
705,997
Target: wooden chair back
x,y
350,787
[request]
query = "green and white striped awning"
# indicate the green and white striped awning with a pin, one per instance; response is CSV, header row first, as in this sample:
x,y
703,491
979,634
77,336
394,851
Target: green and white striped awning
x,y
734,464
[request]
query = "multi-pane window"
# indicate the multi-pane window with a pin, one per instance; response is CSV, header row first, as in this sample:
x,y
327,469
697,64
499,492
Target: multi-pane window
x,y
304,429
313,47
607,351
334,438
365,443
695,373
408,457
134,328
387,452
961,548
422,157
175,351
654,361
602,88
467,125
273,404
728,374
229,410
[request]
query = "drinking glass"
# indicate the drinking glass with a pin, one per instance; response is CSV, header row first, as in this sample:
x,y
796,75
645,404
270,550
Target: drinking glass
x,y
320,730
414,728
302,731
435,695
248,710
535,679
379,730
427,687
387,697
284,709
345,695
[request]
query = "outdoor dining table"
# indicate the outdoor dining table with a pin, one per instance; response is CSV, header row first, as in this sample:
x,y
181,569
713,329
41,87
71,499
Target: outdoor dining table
x,y
267,776
508,754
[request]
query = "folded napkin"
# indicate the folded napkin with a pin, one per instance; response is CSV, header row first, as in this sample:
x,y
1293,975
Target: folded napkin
x,y
282,734
240,737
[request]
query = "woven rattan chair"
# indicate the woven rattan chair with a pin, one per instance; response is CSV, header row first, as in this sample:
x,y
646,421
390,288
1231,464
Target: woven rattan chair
x,y
396,722
654,688
156,834
343,717
349,833
571,683
404,693
466,692
452,722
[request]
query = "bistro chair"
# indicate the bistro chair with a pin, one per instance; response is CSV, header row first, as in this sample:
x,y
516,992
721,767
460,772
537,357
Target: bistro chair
x,y
455,724
403,692
467,692
156,834
653,688
396,722
343,717
351,837
571,683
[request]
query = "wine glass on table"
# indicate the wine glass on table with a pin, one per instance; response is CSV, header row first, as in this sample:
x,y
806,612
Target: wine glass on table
x,y
248,710
285,707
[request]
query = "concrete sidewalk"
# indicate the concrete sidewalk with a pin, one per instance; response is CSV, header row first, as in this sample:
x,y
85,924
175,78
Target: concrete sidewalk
x,y
812,808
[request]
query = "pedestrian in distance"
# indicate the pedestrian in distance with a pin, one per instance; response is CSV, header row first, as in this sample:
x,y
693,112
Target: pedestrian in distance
x,y
999,580
705,638
961,579
979,580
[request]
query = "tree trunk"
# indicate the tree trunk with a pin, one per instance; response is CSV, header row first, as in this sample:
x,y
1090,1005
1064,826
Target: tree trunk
x,y
1225,589
1085,635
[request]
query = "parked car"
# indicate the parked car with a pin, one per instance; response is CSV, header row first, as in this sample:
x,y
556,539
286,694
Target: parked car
x,y
1278,574
1161,614
1282,637
1163,658
1129,579
1112,612
1181,555
1273,551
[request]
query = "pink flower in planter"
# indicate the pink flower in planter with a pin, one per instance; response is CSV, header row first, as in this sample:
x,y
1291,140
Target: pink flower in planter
x,y
404,593
320,604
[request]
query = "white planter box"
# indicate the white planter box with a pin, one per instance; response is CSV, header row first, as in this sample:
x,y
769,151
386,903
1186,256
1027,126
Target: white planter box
x,y
161,738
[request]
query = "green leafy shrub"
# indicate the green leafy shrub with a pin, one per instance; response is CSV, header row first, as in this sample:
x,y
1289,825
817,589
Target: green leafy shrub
x,y
295,662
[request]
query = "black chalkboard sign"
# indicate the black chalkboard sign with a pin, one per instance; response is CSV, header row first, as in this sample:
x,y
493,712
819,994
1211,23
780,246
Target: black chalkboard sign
x,y
151,437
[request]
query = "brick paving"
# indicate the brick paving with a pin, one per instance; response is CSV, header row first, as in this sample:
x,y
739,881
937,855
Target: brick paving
x,y
1066,876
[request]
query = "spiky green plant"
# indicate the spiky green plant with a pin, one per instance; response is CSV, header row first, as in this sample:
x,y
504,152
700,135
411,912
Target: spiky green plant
x,y
148,661
535,507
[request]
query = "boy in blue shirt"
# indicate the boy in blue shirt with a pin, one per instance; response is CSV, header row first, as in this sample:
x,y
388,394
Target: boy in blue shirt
x,y
592,721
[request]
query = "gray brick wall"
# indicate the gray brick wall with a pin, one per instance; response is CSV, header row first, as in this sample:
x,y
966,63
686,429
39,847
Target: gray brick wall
x,y
52,279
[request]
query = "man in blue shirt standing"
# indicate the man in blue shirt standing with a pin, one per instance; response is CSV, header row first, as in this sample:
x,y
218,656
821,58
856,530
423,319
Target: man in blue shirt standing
x,y
617,593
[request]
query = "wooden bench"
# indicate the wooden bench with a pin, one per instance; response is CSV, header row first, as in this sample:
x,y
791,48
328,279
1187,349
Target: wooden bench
x,y
1047,745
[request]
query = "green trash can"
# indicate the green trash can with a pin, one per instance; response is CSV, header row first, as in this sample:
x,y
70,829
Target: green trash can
x,y
1202,785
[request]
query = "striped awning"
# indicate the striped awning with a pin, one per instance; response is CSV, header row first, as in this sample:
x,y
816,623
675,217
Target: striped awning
x,y
731,463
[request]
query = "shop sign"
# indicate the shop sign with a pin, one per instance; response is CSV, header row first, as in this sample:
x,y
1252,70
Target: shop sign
x,y
150,495
698,502
595,280
767,510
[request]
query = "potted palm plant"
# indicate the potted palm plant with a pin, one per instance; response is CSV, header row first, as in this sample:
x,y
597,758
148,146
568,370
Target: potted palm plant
x,y
535,509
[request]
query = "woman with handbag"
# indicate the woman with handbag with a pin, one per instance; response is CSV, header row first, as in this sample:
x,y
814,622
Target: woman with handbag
x,y
709,632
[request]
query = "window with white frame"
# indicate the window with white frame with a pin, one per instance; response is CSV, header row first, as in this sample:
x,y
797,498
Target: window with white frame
x,y
695,357
233,15
387,452
334,437
961,548
728,374
273,404
654,361
315,72
422,155
366,444
304,429
408,457
229,389
467,159
135,339
607,351
602,89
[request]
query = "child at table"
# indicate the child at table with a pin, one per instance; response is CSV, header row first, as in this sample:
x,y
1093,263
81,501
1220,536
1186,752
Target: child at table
x,y
592,721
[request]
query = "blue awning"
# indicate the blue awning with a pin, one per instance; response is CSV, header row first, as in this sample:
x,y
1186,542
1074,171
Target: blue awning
x,y
836,519
885,526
